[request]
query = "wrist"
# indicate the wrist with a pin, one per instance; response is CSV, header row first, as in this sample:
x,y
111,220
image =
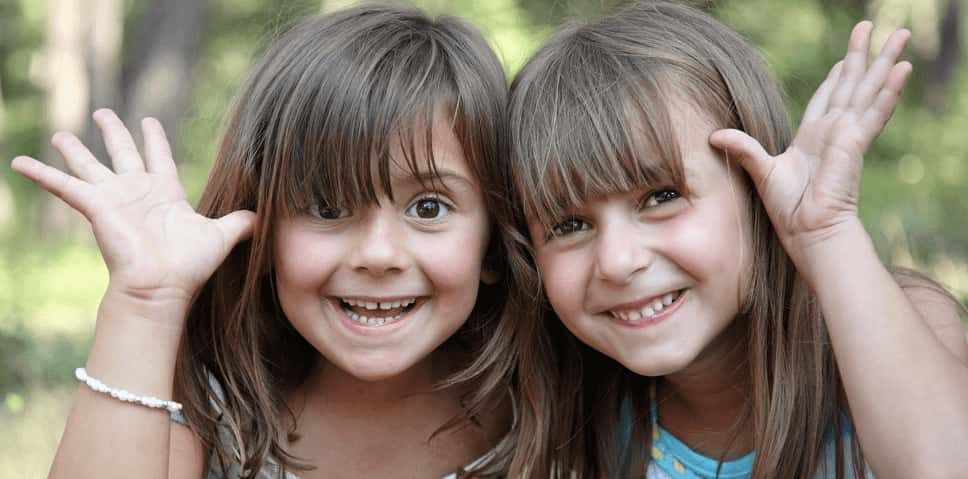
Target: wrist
x,y
136,341
833,250
160,313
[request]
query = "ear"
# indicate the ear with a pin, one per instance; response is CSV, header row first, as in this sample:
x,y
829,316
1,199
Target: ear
x,y
489,276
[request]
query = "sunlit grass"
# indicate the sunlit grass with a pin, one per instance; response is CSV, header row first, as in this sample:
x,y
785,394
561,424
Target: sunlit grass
x,y
52,289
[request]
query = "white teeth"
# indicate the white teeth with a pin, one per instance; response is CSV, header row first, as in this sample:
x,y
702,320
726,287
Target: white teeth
x,y
374,305
648,311
371,321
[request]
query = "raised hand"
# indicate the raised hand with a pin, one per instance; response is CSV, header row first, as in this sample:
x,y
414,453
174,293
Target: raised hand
x,y
155,245
812,188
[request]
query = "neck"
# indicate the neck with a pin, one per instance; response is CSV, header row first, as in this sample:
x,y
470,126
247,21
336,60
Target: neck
x,y
340,421
333,388
703,404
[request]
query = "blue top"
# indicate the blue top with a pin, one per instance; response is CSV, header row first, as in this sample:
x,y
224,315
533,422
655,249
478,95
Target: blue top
x,y
673,459
679,461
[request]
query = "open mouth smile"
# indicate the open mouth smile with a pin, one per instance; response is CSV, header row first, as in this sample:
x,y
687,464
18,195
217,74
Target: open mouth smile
x,y
648,309
375,313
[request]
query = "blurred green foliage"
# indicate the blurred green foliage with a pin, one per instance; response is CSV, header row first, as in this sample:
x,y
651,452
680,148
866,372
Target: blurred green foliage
x,y
913,194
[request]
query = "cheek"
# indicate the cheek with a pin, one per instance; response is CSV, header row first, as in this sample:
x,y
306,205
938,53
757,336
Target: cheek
x,y
452,268
712,244
301,260
564,277
453,259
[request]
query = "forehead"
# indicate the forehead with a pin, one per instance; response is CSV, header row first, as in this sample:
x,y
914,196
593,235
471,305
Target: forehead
x,y
692,129
611,142
356,165
411,157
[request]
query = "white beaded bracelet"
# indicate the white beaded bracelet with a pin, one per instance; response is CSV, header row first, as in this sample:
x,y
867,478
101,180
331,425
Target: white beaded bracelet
x,y
123,395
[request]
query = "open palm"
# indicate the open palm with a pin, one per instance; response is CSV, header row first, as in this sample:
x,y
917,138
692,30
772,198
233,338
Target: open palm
x,y
154,243
813,187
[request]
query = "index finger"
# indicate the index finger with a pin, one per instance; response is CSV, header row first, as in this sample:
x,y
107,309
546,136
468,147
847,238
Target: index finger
x,y
74,192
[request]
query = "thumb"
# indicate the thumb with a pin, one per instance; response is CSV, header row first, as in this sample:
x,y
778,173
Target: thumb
x,y
236,226
746,150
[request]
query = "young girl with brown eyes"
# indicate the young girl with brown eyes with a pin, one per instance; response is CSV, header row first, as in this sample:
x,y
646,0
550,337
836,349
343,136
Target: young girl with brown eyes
x,y
716,307
340,304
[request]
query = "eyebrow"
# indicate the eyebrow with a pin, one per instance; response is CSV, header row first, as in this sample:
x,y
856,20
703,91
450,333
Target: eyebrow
x,y
442,176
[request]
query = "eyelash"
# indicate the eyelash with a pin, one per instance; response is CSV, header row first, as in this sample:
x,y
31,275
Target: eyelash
x,y
647,201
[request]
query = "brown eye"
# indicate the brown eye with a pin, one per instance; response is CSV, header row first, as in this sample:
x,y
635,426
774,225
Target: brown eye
x,y
569,226
428,208
659,197
325,212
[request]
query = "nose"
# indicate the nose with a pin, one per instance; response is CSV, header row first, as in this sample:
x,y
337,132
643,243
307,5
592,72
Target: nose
x,y
379,250
621,251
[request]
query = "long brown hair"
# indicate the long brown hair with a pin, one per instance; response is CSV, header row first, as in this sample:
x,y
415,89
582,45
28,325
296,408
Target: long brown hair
x,y
590,115
315,124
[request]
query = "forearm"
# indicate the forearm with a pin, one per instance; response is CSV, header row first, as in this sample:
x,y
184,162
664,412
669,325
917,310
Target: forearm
x,y
135,345
908,393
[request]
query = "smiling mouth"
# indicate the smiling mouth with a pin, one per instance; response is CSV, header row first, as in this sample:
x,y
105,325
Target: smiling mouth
x,y
648,310
377,313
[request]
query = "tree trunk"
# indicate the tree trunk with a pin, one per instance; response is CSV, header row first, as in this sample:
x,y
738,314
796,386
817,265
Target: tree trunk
x,y
6,199
103,57
157,76
68,92
2,110
946,61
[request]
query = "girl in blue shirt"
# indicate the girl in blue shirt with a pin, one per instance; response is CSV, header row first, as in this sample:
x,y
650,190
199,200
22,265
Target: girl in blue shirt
x,y
720,309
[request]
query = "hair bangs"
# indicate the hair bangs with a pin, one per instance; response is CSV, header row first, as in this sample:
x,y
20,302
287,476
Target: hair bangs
x,y
352,120
590,123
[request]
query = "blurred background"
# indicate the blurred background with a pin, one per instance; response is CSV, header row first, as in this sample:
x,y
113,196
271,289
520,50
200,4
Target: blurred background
x,y
183,60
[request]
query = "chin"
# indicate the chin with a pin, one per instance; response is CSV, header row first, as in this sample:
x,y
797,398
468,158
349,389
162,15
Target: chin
x,y
373,370
374,376
652,370
654,365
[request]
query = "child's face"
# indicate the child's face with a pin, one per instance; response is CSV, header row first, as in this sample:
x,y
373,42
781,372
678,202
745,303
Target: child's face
x,y
650,278
377,290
